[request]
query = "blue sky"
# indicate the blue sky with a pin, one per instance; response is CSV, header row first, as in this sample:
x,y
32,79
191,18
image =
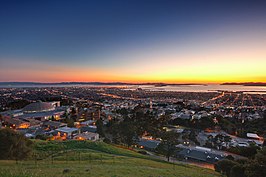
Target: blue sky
x,y
113,35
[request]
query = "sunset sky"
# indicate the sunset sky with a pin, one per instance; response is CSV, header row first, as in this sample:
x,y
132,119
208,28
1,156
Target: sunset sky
x,y
133,41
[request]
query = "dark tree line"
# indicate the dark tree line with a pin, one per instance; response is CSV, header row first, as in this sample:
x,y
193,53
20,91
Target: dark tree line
x,y
14,145
255,167
167,147
135,124
203,123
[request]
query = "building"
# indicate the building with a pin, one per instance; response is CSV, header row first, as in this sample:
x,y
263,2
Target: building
x,y
53,124
66,132
87,136
38,107
14,123
40,111
202,154
148,144
90,128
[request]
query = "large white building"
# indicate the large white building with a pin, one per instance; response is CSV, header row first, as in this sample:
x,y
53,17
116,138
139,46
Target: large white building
x,y
39,111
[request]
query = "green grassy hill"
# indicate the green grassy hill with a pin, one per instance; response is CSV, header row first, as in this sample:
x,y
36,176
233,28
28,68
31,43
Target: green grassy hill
x,y
72,158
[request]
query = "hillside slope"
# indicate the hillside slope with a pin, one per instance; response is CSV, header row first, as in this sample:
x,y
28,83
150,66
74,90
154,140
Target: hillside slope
x,y
65,159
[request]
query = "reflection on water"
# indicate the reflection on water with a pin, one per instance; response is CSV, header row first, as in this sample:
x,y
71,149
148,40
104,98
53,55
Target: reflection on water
x,y
208,88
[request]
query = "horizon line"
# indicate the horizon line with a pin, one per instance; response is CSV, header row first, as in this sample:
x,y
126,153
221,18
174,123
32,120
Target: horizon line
x,y
134,83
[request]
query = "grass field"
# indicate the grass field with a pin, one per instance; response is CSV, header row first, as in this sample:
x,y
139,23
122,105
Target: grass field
x,y
99,160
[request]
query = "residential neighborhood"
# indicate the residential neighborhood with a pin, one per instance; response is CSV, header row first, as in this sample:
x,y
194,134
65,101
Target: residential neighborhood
x,y
208,127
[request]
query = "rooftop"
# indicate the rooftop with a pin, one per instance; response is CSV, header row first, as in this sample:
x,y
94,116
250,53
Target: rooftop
x,y
66,129
38,107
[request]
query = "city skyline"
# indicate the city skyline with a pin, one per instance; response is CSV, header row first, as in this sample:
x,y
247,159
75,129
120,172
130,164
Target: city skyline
x,y
133,41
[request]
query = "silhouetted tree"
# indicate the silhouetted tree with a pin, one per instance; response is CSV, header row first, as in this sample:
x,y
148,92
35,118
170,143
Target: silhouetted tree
x,y
224,166
244,167
14,145
237,171
244,151
99,125
18,104
192,136
128,133
220,139
257,167
73,111
70,122
52,118
167,145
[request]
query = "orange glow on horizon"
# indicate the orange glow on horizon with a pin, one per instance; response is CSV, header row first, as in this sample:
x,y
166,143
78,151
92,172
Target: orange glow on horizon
x,y
131,77
210,66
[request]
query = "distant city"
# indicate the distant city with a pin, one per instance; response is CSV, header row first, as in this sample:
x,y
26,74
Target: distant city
x,y
212,125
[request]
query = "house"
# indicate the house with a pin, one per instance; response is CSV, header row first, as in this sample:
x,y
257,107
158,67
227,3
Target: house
x,y
90,128
87,123
32,132
183,114
200,115
33,122
148,144
254,138
202,154
14,123
66,132
87,136
53,124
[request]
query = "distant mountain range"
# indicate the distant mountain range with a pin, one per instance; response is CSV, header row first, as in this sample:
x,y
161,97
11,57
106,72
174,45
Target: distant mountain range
x,y
246,83
92,83
128,83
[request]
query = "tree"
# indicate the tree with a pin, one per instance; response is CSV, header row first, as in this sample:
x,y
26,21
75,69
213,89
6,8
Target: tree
x,y
17,104
244,151
65,115
192,137
73,113
42,137
123,112
124,132
260,157
237,171
244,167
227,139
128,133
99,125
147,123
220,139
14,145
254,169
257,167
70,122
167,145
53,118
224,166
203,123
230,157
209,142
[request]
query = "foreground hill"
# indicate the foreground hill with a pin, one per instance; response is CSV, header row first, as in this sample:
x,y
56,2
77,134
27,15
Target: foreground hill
x,y
94,159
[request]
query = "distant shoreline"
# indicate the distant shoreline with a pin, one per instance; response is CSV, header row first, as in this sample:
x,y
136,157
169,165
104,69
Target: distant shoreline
x,y
95,83
246,83
128,83
243,91
145,86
